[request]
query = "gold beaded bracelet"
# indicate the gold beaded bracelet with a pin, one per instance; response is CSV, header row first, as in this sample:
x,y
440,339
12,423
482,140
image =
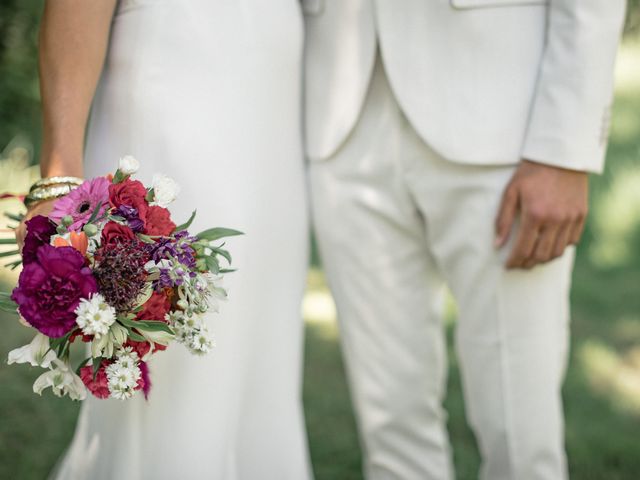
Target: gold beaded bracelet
x,y
49,181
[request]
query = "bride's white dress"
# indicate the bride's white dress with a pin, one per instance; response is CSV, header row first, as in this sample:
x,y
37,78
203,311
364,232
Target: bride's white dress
x,y
208,92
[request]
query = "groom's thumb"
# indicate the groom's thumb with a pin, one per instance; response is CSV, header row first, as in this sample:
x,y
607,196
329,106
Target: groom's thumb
x,y
506,215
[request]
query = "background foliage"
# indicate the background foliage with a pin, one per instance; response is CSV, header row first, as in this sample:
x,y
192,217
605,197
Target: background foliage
x,y
602,391
19,95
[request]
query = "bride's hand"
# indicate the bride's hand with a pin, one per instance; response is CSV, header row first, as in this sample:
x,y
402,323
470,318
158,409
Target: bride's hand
x,y
40,208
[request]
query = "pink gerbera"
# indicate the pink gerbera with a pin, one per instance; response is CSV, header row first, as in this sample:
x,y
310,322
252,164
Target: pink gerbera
x,y
82,202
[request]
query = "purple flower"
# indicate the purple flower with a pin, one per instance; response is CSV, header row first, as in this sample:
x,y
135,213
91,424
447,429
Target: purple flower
x,y
50,288
130,214
178,248
39,231
81,202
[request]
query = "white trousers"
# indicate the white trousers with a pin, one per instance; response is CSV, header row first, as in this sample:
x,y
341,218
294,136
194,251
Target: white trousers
x,y
395,223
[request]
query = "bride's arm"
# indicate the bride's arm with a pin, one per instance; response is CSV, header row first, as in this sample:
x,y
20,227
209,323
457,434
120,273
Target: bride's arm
x,y
74,35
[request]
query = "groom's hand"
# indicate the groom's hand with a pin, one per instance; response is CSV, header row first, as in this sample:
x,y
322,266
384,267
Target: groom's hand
x,y
552,205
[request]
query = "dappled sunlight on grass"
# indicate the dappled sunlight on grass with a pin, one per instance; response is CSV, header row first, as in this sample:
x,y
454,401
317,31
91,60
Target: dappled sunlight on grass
x,y
613,374
318,305
628,67
616,219
16,175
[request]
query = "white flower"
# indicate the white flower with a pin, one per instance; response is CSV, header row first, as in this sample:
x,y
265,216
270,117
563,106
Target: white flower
x,y
127,357
37,353
191,331
201,342
165,190
62,381
105,345
128,165
123,375
216,290
94,315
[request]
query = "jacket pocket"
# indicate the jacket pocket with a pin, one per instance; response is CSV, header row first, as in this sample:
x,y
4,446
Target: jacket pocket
x,y
469,4
312,7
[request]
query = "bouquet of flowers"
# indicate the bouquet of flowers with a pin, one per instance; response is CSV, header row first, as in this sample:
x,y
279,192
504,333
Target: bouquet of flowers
x,y
109,269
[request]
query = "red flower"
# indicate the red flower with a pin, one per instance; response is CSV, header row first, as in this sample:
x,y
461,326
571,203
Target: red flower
x,y
78,333
155,308
158,221
113,233
98,387
131,193
141,348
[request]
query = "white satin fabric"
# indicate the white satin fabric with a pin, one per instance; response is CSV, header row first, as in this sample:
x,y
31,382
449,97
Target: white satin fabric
x,y
209,92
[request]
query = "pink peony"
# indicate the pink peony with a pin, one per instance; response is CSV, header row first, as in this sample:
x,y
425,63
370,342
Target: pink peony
x,y
81,202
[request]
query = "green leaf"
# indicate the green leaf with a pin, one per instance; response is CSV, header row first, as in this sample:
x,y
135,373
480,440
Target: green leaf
x,y
9,254
95,213
14,265
212,264
96,366
82,364
145,238
217,233
224,253
14,216
186,224
61,344
8,241
7,308
55,342
119,177
136,336
150,195
227,270
127,322
153,326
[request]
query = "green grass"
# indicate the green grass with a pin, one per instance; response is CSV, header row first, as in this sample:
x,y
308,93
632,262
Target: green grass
x,y
602,392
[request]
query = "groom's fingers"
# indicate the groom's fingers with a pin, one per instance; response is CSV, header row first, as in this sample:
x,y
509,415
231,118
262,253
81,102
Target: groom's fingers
x,y
544,246
506,215
577,229
563,240
525,242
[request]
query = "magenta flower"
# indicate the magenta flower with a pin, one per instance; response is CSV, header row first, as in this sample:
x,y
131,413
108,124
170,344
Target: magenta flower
x,y
50,288
39,231
81,202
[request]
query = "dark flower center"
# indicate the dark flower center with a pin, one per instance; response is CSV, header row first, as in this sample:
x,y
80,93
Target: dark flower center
x,y
84,206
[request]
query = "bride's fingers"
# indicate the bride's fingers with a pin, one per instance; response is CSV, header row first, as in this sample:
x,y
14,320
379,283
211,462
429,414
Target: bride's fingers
x,y
21,232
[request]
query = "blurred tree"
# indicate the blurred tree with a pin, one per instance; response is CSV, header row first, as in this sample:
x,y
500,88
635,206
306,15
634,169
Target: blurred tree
x,y
632,25
19,96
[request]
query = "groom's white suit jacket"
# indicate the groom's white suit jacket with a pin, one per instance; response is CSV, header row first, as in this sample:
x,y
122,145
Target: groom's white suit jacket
x,y
482,81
